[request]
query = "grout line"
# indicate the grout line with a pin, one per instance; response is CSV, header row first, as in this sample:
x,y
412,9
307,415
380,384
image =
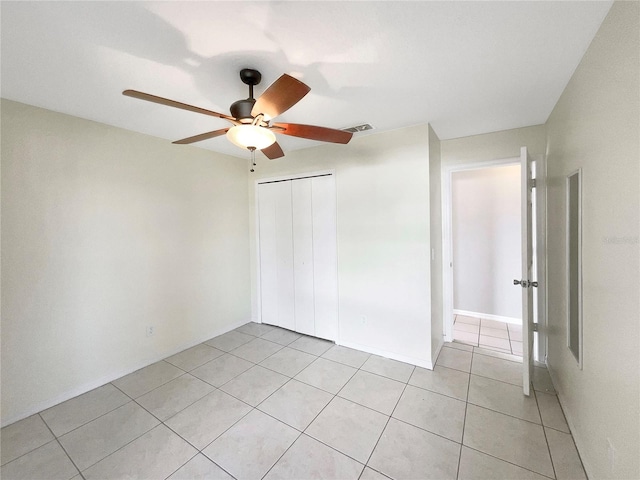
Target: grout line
x,y
546,440
507,461
464,420
61,446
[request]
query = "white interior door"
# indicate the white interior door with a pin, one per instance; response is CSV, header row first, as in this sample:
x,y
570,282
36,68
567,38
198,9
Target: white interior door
x,y
527,282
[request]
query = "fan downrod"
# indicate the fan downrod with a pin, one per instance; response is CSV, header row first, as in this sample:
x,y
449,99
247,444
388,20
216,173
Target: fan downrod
x,y
241,109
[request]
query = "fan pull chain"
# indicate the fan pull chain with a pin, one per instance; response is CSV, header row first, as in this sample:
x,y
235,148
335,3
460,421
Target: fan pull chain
x,y
253,158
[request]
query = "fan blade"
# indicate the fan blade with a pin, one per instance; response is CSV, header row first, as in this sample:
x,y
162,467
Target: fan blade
x,y
172,103
273,151
312,132
281,95
202,136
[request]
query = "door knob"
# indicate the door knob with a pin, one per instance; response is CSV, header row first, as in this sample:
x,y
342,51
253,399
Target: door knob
x,y
520,282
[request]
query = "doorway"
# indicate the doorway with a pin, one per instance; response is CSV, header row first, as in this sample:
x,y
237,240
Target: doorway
x,y
482,255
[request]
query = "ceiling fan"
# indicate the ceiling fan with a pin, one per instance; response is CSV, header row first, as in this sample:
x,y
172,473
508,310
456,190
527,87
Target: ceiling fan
x,y
251,118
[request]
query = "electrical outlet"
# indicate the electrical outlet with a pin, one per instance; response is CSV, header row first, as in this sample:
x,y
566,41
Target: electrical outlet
x,y
611,453
363,320
151,330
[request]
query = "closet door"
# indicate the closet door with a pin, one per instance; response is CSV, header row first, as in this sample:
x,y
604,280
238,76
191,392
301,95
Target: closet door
x,y
276,254
303,256
325,256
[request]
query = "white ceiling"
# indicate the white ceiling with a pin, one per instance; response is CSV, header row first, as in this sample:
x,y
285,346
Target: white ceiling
x,y
465,67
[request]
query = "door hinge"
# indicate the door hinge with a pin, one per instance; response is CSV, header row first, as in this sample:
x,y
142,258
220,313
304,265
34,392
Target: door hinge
x,y
532,183
535,327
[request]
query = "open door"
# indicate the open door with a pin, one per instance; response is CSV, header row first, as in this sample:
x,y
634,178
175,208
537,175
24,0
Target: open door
x,y
526,282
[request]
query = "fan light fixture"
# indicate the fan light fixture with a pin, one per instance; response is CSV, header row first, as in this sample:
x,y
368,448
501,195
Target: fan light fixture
x,y
246,136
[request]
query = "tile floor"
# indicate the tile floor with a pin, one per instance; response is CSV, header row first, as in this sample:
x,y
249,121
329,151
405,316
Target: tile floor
x,y
488,334
262,402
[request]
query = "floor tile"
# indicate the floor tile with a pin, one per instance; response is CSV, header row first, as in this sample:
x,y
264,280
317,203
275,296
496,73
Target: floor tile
x,y
465,319
254,385
146,379
503,397
551,411
466,327
516,348
296,404
494,332
511,439
79,410
371,474
156,454
493,324
309,459
542,380
252,446
501,343
103,436
446,381
312,345
408,452
475,465
219,371
454,358
564,455
389,368
200,468
497,354
373,391
22,437
498,369
459,346
288,361
515,329
255,329
256,350
208,418
282,336
326,374
466,337
348,356
431,411
229,340
46,462
194,357
349,428
178,394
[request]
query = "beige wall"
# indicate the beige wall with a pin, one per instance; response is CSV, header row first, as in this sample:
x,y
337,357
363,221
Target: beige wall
x,y
435,199
382,183
493,146
595,127
105,232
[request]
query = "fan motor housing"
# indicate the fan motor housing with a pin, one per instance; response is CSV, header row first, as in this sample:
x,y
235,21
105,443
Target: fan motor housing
x,y
242,109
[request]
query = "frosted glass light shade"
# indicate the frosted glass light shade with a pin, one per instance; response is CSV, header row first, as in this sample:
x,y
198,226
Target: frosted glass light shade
x,y
246,136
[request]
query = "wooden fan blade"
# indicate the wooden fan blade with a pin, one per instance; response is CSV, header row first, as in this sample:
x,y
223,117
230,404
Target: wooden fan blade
x,y
273,151
172,103
312,132
281,95
202,136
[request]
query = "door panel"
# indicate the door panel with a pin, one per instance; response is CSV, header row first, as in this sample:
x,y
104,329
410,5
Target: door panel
x,y
267,245
303,256
325,257
527,269
284,255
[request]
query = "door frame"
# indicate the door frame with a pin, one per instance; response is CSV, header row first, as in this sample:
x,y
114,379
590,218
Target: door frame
x,y
279,178
447,243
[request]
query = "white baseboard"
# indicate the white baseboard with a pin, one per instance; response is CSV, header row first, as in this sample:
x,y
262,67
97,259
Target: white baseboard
x,y
420,362
87,387
488,316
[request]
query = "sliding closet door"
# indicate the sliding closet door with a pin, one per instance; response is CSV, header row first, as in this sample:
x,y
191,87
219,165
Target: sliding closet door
x,y
325,256
303,256
276,254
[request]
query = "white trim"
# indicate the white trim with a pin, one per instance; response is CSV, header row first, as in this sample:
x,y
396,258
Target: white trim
x,y
420,362
568,277
488,316
110,377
